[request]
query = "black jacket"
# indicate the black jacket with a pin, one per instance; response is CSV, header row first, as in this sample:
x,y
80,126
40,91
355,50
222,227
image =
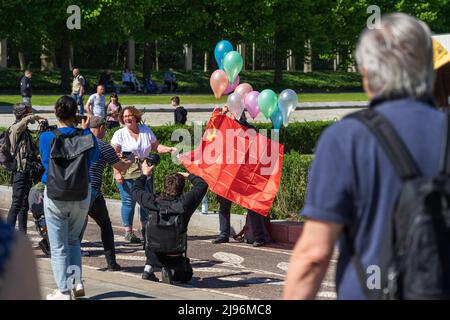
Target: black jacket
x,y
25,87
180,115
191,199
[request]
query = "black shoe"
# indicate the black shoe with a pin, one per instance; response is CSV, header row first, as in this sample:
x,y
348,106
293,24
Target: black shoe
x,y
43,244
114,267
220,239
149,276
166,275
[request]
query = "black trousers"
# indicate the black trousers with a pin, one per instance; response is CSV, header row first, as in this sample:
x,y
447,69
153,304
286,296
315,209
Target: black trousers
x,y
21,185
258,221
99,212
178,263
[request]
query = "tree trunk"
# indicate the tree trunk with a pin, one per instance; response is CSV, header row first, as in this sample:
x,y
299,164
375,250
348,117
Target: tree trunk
x,y
22,62
148,52
253,56
280,55
46,59
65,65
3,54
148,59
131,54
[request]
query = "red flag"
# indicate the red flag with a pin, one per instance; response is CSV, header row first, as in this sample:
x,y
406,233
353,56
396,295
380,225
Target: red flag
x,y
238,163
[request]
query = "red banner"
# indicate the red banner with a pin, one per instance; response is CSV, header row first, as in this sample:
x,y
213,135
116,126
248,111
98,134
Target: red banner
x,y
238,163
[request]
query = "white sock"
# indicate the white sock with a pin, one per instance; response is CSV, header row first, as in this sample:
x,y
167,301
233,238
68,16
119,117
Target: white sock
x,y
148,268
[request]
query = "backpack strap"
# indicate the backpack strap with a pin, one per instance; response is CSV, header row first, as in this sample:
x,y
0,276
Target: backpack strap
x,y
403,164
445,152
395,149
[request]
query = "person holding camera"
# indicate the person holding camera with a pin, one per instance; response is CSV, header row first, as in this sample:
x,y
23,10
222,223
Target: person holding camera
x,y
67,154
137,139
24,161
98,210
168,218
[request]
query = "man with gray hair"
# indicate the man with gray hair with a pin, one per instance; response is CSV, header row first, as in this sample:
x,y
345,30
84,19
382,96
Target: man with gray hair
x,y
352,183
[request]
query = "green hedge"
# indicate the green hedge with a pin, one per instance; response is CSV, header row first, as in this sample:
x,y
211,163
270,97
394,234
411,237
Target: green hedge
x,y
298,137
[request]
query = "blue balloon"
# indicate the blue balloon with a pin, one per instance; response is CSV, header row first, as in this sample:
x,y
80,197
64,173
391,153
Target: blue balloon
x,y
221,50
277,118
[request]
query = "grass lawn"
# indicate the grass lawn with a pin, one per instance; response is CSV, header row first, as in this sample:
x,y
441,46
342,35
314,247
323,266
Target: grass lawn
x,y
44,100
196,82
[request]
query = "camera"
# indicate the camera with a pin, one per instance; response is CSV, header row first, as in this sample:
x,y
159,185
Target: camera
x,y
44,126
79,118
153,159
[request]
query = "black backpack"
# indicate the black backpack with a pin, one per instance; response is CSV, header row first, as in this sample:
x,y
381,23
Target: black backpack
x,y
415,255
68,172
7,159
166,230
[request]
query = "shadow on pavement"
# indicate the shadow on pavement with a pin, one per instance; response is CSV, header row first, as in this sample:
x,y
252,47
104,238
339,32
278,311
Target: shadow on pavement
x,y
120,294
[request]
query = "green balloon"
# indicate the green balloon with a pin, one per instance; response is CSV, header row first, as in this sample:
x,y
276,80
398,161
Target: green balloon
x,y
232,64
267,101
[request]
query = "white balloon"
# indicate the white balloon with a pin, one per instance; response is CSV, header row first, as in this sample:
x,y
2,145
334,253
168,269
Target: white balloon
x,y
235,105
287,102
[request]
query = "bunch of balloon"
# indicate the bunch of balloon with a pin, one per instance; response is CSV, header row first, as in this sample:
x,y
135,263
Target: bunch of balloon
x,y
226,79
287,103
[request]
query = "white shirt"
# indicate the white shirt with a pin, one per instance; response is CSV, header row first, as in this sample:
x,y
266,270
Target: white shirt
x,y
140,147
98,105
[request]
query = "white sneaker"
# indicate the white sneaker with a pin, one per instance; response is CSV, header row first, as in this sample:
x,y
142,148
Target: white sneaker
x,y
78,291
58,295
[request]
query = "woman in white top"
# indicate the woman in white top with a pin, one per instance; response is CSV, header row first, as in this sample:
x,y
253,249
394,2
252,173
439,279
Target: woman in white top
x,y
138,139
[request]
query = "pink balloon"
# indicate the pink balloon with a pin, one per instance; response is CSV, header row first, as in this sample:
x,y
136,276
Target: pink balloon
x,y
219,82
231,86
243,89
251,103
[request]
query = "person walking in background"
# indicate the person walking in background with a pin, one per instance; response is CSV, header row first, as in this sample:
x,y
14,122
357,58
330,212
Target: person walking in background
x,y
67,193
25,153
25,87
353,181
18,269
112,111
180,113
138,139
78,87
96,103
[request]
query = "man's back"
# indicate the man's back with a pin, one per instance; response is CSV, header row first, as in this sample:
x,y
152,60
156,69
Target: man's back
x,y
180,115
25,87
353,183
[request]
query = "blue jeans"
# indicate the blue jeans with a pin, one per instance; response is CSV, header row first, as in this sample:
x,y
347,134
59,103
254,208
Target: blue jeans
x,y
128,204
65,220
79,100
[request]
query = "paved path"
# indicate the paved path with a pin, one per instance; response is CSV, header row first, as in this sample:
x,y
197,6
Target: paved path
x,y
156,115
226,271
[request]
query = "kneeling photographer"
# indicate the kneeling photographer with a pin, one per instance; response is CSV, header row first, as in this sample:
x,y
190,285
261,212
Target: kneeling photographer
x,y
168,217
22,163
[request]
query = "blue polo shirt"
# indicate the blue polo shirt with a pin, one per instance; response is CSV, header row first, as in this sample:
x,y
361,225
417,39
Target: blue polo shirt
x,y
352,182
45,141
